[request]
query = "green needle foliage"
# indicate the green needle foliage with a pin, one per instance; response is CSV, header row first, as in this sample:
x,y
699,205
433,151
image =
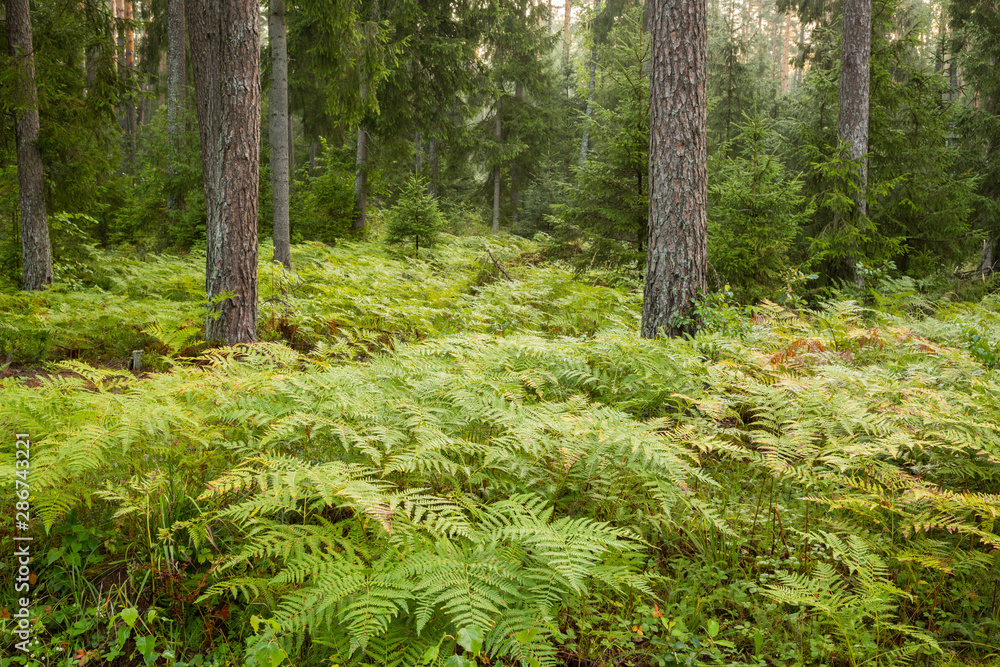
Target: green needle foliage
x,y
755,212
415,216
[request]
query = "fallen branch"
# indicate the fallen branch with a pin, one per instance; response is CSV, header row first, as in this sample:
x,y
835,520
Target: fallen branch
x,y
502,270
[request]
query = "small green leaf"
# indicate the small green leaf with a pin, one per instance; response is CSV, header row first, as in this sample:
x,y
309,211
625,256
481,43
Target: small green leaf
x,y
525,636
276,655
712,627
129,615
145,644
471,639
430,655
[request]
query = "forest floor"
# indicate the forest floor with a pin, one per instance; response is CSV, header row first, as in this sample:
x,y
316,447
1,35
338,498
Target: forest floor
x,y
472,458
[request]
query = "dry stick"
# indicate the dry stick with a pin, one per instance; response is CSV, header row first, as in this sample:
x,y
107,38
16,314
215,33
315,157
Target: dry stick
x,y
498,264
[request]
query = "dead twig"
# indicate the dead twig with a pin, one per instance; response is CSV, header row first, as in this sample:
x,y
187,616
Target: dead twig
x,y
502,270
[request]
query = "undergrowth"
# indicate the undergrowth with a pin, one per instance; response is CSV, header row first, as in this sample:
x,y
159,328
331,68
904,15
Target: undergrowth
x,y
471,457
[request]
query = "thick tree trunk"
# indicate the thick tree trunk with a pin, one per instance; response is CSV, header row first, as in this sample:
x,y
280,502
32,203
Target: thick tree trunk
x,y
36,252
176,72
225,53
278,106
361,181
585,144
852,122
855,83
496,177
676,255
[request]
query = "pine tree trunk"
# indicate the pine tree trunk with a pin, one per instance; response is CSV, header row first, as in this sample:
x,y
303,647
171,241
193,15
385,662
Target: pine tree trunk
x,y
800,56
361,181
117,37
176,72
942,38
278,134
776,27
676,251
585,144
225,54
36,252
567,14
852,122
784,53
855,82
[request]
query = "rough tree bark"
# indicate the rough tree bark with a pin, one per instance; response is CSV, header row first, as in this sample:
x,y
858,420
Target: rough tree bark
x,y
278,108
585,144
176,72
852,121
676,255
225,53
855,84
36,252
